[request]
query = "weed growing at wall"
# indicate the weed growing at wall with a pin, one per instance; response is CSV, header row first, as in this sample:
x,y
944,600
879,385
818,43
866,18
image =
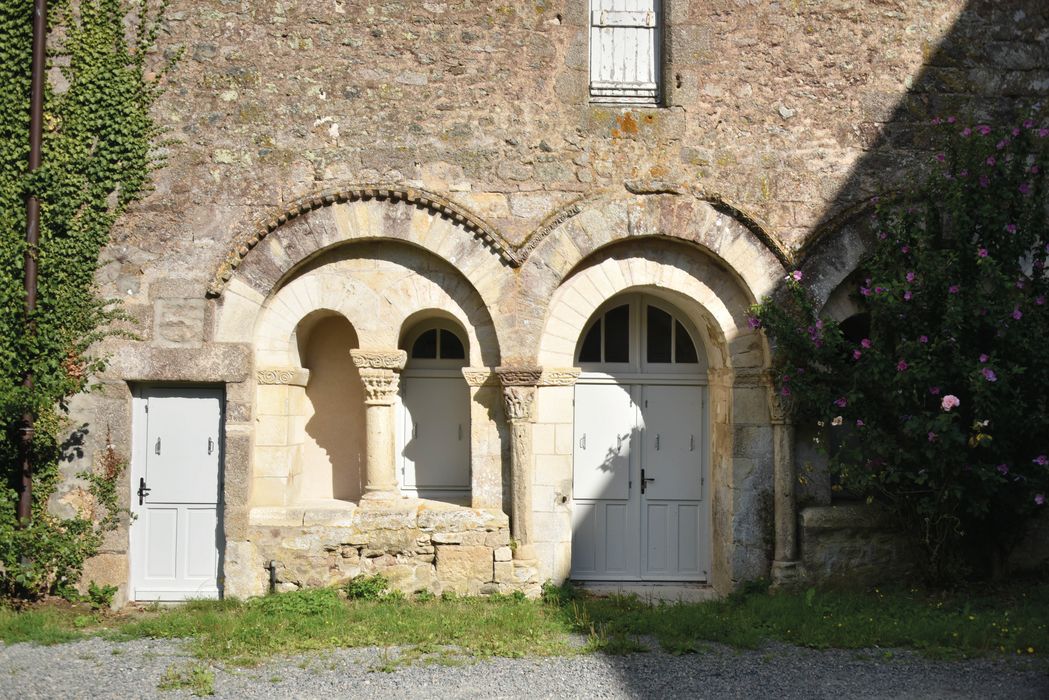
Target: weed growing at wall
x,y
934,401
99,151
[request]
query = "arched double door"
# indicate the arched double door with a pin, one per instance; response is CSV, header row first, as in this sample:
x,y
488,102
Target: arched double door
x,y
640,507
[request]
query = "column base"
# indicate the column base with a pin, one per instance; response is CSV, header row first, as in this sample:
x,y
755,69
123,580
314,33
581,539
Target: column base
x,y
787,575
390,495
525,552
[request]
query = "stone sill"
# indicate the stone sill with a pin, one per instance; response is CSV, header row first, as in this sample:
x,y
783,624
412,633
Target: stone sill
x,y
856,516
419,512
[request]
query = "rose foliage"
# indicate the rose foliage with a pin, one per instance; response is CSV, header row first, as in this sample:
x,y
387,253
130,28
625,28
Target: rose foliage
x,y
933,399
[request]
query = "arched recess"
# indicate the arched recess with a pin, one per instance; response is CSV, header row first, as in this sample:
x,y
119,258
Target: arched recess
x,y
271,252
434,421
715,303
375,287
586,228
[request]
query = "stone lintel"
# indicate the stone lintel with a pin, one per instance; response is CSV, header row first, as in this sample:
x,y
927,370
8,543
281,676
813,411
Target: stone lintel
x,y
291,376
379,359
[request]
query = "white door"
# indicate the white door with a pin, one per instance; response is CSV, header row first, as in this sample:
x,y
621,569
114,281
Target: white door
x,y
605,539
175,536
671,485
436,436
623,530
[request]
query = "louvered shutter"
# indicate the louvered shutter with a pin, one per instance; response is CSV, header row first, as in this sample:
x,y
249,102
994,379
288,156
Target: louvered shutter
x,y
624,51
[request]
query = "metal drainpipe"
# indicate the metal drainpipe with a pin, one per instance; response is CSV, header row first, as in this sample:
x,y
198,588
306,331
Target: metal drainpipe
x,y
32,238
272,566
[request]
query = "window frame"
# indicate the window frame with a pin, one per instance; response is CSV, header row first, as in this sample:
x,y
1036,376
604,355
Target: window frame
x,y
638,365
439,366
610,93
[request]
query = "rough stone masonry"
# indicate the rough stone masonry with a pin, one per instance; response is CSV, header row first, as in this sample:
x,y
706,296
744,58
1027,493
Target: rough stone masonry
x,y
448,155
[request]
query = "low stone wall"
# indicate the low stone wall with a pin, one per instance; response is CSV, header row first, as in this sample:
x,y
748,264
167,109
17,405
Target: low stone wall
x,y
417,545
852,544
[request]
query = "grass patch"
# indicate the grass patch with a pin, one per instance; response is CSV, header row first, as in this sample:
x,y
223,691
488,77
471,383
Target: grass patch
x,y
196,678
43,625
1013,621
245,633
452,630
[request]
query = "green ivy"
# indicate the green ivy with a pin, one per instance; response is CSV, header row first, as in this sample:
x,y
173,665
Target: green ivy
x,y
932,399
99,150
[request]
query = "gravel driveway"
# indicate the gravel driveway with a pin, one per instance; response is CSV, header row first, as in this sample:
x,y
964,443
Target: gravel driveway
x,y
100,669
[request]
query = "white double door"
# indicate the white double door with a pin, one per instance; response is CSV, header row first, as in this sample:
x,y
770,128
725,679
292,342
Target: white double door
x,y
639,508
175,493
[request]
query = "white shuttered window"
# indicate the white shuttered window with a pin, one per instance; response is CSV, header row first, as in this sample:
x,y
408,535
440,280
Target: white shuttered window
x,y
624,51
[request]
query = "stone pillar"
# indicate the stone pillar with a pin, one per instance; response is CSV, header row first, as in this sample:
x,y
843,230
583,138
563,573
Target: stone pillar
x,y
519,384
785,565
486,449
379,375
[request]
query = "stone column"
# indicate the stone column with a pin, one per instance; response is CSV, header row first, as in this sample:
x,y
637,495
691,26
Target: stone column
x,y
379,375
519,384
785,565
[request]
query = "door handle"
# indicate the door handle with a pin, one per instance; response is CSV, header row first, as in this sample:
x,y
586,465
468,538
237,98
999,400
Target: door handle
x,y
211,445
644,481
582,442
657,442
415,430
691,443
143,490
156,448
460,432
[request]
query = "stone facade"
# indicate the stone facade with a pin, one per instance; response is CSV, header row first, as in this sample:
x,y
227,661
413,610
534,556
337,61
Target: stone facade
x,y
387,162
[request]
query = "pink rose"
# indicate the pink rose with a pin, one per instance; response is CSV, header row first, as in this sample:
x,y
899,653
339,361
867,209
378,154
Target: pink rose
x,y
950,401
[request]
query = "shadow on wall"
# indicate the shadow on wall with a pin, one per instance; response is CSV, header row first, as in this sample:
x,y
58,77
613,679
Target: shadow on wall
x,y
332,455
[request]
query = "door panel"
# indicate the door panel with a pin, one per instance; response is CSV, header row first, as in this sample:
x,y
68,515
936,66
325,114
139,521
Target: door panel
x,y
605,422
175,537
183,445
672,459
671,442
606,540
436,433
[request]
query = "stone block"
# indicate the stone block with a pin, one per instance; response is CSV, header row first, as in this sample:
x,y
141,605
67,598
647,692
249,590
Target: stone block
x,y
460,519
411,577
503,554
463,569
504,572
554,404
499,538
552,469
179,323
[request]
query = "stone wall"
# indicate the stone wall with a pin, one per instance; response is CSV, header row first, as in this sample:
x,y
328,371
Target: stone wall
x,y
441,549
780,120
853,545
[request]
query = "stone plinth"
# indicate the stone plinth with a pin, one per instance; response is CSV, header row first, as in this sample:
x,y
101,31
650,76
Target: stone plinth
x,y
853,544
418,545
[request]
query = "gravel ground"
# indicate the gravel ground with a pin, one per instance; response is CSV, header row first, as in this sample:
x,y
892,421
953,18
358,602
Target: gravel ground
x,y
100,669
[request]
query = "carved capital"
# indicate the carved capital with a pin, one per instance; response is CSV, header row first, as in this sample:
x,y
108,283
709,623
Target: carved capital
x,y
379,359
517,401
479,376
293,376
559,376
779,405
380,386
518,376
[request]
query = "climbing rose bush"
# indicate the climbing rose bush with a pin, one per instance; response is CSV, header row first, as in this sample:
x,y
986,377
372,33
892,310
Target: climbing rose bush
x,y
935,403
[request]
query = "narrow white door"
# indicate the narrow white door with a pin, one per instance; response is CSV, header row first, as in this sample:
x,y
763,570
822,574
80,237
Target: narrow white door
x,y
436,436
176,536
605,539
671,492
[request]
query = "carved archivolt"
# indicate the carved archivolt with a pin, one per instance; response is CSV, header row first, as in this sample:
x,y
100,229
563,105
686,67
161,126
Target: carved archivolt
x,y
440,206
380,386
379,359
294,376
